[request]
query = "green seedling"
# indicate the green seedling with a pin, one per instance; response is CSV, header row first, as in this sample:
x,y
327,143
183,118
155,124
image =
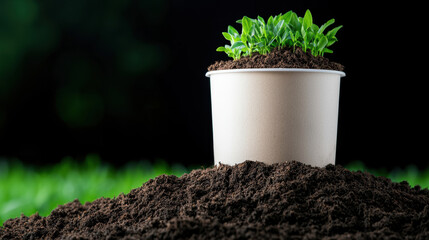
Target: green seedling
x,y
283,30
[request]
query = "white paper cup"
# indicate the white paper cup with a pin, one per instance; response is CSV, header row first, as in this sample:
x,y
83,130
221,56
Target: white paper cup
x,y
275,115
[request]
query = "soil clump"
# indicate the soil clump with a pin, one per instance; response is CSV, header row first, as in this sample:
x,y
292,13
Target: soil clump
x,y
279,58
251,200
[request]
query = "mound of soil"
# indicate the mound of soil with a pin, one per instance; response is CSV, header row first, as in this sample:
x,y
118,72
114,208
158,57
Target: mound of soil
x,y
279,58
251,200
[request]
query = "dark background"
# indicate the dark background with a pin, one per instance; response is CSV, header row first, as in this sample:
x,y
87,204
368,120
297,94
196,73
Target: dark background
x,y
125,79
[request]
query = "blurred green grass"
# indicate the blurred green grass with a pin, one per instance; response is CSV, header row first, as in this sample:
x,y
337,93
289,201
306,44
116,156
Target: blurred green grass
x,y
26,189
411,173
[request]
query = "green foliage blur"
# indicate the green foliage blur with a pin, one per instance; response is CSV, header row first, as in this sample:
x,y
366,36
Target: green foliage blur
x,y
413,175
28,189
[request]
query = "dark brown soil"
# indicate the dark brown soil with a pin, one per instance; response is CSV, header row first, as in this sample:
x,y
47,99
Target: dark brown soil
x,y
248,201
279,58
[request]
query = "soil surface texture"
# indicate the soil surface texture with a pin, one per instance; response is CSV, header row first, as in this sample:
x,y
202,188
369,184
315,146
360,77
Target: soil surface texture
x,y
279,58
251,200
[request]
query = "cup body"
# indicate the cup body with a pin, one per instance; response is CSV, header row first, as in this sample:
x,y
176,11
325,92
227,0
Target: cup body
x,y
275,115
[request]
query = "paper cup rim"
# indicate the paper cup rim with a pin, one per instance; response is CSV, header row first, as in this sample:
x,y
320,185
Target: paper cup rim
x,y
304,70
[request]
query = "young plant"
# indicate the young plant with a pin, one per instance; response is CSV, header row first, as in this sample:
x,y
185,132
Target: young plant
x,y
283,30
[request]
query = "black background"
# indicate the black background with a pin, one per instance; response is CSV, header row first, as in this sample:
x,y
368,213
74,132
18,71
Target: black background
x,y
383,101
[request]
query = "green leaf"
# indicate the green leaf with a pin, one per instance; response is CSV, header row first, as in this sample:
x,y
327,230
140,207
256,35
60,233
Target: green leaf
x,y
260,44
294,22
258,31
238,45
268,30
276,19
278,27
270,21
227,36
332,41
271,42
324,26
247,24
314,28
287,16
232,31
221,49
244,37
322,43
252,31
236,38
325,50
303,33
308,20
285,36
261,20
309,37
333,32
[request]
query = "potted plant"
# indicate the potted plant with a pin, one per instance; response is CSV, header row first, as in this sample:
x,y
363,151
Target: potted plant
x,y
277,100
